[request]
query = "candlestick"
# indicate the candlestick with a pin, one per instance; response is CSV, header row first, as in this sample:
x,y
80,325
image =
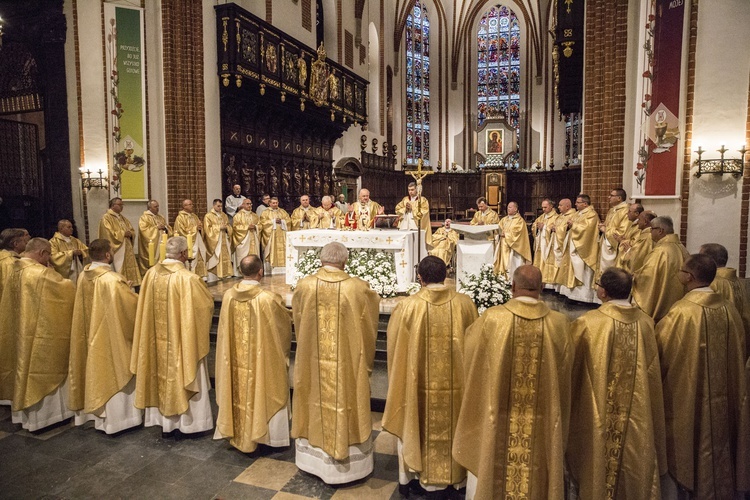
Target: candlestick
x,y
190,245
151,253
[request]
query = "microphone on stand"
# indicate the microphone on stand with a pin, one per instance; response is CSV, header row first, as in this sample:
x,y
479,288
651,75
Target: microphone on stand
x,y
449,197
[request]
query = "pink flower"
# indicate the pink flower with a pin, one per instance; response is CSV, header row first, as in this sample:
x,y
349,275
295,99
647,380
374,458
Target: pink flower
x,y
639,167
647,97
651,17
646,74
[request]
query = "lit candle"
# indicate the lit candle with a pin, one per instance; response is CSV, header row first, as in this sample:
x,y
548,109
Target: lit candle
x,y
190,245
151,253
163,247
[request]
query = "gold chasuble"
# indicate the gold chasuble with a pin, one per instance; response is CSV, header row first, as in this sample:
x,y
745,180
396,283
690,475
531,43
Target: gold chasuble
x,y
332,218
489,216
170,337
729,286
543,243
101,340
186,224
514,249
444,243
112,227
627,241
656,285
366,214
616,223
616,447
426,380
245,241
336,322
304,218
582,249
7,337
514,416
559,247
640,246
407,219
37,308
150,239
274,235
217,234
62,258
705,395
252,363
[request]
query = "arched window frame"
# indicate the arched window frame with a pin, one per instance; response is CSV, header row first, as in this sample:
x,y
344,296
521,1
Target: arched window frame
x,y
417,84
499,70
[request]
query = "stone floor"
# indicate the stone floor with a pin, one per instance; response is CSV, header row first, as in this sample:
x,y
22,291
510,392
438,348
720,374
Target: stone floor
x,y
79,462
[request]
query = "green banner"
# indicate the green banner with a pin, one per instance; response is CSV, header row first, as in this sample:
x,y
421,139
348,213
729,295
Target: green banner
x,y
127,111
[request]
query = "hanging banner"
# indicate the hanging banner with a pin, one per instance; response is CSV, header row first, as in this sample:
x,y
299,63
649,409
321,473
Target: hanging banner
x,y
659,166
126,91
568,55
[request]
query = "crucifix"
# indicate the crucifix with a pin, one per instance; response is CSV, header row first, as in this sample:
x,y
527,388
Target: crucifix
x,y
418,175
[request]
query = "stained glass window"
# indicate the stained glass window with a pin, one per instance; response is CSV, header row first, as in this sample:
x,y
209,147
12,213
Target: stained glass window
x,y
499,67
418,85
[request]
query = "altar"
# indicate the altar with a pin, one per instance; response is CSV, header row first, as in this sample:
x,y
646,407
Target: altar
x,y
401,244
474,251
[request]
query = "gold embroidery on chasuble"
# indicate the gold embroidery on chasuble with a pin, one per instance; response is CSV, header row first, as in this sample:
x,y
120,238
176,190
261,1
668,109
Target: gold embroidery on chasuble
x,y
527,355
328,373
243,371
715,328
620,381
438,421
164,354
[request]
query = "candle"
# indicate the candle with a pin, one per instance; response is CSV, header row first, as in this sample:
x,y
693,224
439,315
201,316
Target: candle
x,y
151,253
163,247
190,245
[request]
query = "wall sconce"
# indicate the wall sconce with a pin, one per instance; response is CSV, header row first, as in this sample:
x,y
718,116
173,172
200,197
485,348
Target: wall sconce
x,y
721,166
99,180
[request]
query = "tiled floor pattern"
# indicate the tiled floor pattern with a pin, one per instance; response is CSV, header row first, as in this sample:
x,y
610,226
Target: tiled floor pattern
x,y
80,462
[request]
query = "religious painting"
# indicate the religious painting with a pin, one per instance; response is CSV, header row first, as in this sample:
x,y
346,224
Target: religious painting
x,y
494,144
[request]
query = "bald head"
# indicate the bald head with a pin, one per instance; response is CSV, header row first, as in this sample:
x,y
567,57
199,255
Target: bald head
x,y
565,205
251,267
527,282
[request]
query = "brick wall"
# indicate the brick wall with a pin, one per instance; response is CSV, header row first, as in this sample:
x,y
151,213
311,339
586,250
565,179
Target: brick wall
x,y
184,116
604,100
685,192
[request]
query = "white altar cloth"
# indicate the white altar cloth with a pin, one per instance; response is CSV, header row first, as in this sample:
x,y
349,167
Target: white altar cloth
x,y
471,255
402,244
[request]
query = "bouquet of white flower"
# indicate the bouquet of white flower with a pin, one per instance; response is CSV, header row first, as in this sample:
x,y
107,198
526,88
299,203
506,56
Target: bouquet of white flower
x,y
486,289
377,268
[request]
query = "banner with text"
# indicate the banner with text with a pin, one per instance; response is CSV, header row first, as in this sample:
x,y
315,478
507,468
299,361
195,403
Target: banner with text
x,y
658,171
126,91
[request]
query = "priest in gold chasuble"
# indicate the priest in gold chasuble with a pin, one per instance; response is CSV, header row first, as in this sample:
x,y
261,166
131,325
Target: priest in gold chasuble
x,y
101,387
304,216
245,234
706,401
189,225
252,363
631,233
729,286
412,206
581,256
426,378
634,251
616,446
444,241
69,254
275,222
513,249
366,210
37,308
153,232
484,216
170,345
121,235
513,424
612,230
336,322
329,216
559,242
12,243
543,241
217,234
656,285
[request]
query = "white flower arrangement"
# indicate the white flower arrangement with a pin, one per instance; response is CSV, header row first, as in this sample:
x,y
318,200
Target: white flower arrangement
x,y
413,288
376,267
486,289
